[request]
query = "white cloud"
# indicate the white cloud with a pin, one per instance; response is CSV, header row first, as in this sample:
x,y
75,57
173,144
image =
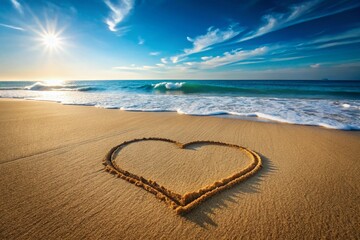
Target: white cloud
x,y
189,39
174,59
207,41
118,12
350,34
296,14
17,6
141,41
271,24
233,57
133,67
348,37
154,53
212,37
206,58
210,62
181,72
333,44
285,59
276,21
316,65
218,61
12,27
264,60
355,64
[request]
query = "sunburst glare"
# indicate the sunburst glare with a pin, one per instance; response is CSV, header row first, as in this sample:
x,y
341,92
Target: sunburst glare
x,y
50,36
51,40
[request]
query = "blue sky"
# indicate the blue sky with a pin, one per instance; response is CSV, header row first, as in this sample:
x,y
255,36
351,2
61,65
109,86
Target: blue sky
x,y
179,39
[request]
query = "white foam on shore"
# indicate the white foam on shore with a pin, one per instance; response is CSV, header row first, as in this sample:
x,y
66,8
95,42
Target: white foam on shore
x,y
334,114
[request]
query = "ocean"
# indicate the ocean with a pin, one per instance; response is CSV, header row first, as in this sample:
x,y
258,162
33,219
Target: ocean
x,y
326,103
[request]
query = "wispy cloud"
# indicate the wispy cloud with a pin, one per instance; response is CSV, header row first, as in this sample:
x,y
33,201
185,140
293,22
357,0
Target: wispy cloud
x,y
347,36
154,53
135,68
281,59
334,44
277,21
176,59
355,64
118,13
141,41
280,52
342,38
275,52
12,27
269,59
207,41
17,6
206,63
212,37
204,58
316,65
230,57
297,14
218,39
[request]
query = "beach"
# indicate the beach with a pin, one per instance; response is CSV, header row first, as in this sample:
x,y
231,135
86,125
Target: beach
x,y
54,185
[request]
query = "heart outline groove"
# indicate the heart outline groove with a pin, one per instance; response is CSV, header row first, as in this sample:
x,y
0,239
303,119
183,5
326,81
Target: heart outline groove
x,y
182,203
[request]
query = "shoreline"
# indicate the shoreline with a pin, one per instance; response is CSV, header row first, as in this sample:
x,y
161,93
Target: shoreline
x,y
54,185
220,115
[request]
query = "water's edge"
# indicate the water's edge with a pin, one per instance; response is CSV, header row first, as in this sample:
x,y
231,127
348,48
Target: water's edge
x,y
330,104
229,116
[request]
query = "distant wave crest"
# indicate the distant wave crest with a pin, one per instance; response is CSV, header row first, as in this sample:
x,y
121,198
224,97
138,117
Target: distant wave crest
x,y
193,88
39,86
168,85
327,104
187,87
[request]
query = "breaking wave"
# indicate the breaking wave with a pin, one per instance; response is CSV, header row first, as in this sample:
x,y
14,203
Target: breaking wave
x,y
199,88
328,104
39,86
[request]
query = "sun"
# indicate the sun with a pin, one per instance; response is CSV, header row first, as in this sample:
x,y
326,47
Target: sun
x,y
51,41
50,37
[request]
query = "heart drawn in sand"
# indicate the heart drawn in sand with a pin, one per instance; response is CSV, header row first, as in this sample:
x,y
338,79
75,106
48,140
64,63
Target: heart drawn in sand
x,y
183,203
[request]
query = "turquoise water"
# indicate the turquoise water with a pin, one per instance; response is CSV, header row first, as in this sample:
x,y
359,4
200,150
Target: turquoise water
x,y
268,88
332,104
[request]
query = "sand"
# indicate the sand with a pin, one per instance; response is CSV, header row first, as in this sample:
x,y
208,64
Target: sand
x,y
53,184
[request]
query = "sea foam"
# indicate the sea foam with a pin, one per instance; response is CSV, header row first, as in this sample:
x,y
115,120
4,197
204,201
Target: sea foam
x,y
330,113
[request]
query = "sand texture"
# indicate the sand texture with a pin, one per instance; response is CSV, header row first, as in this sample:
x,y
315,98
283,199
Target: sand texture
x,y
193,162
53,184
